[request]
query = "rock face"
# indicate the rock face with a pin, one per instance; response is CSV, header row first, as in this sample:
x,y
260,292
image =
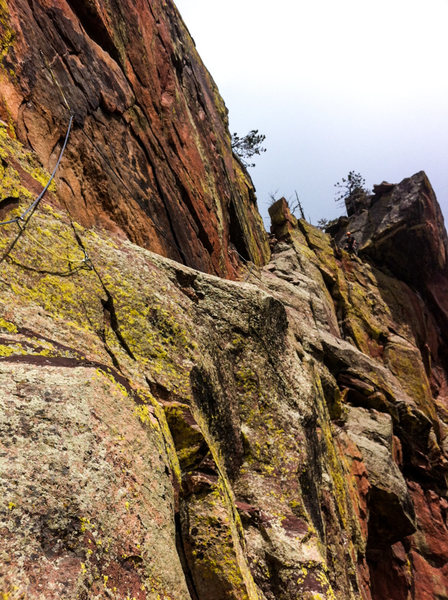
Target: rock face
x,y
150,152
399,327
169,434
400,221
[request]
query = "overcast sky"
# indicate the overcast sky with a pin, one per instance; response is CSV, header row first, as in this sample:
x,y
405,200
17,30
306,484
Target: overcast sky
x,y
335,85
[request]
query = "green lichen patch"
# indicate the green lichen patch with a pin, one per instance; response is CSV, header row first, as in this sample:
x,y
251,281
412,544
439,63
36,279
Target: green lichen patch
x,y
11,185
188,439
7,34
406,364
155,329
7,326
217,561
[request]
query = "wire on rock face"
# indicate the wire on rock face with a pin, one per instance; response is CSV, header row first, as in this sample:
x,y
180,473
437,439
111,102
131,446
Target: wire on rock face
x,y
29,211
249,264
23,219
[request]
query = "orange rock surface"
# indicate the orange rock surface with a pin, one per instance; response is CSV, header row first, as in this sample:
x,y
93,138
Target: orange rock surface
x,y
150,153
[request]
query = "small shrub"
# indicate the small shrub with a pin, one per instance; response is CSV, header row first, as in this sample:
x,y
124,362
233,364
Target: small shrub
x,y
248,146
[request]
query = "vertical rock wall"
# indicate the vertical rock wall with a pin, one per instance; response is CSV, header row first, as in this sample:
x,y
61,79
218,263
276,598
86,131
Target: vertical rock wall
x,y
391,306
150,151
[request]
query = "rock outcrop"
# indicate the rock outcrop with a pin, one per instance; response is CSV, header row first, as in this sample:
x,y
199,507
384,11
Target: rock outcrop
x,y
396,390
150,152
169,434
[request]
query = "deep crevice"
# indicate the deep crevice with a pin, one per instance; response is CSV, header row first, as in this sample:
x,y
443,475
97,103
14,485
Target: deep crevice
x,y
200,230
108,305
112,356
162,197
236,233
71,363
94,27
183,558
201,233
110,313
8,204
310,477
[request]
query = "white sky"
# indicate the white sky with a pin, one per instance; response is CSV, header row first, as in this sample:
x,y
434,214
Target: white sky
x,y
335,85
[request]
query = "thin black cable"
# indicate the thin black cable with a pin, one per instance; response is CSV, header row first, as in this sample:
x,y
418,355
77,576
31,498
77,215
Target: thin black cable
x,y
23,220
68,273
34,204
61,154
246,262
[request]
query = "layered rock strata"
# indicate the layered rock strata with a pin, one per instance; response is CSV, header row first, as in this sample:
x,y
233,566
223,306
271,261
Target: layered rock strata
x,y
150,153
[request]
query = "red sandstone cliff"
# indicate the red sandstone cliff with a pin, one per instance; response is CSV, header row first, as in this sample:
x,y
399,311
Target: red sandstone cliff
x,y
150,151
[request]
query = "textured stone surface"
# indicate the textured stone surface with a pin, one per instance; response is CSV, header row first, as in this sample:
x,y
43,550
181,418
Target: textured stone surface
x,y
150,151
391,512
404,231
82,488
168,434
386,346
